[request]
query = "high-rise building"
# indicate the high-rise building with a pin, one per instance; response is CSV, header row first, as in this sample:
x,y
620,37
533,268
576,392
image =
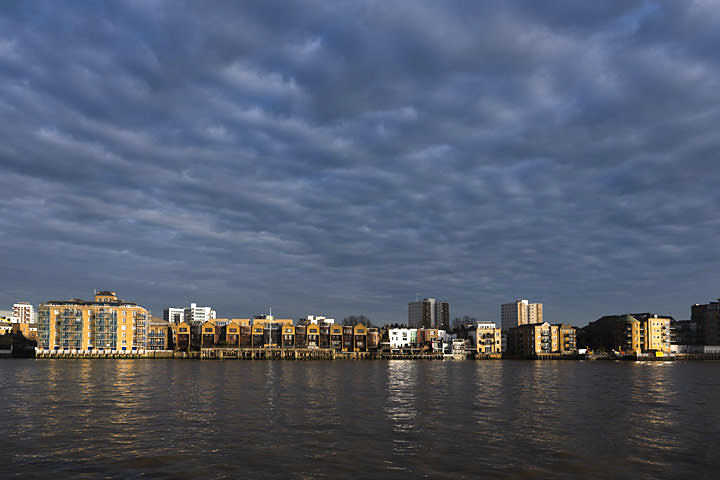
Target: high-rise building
x,y
107,323
197,315
193,315
520,313
174,315
427,313
24,312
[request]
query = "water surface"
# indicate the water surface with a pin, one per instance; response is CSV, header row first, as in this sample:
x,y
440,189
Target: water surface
x,y
354,419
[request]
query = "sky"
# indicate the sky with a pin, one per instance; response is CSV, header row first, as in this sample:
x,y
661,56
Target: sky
x,y
342,157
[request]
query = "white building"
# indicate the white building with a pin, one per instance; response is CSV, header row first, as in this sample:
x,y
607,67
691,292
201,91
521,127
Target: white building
x,y
199,315
193,314
315,319
23,312
402,337
174,315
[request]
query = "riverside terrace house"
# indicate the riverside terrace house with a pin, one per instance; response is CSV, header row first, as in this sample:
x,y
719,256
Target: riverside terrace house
x,y
540,339
272,333
629,334
159,335
106,323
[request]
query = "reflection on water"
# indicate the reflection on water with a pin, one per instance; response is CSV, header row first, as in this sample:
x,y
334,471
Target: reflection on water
x,y
344,419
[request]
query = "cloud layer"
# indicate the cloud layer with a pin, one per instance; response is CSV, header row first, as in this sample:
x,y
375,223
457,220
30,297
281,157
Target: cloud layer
x,y
340,157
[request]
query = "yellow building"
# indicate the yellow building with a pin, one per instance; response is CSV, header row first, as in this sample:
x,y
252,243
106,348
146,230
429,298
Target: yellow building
x,y
28,330
533,340
629,334
488,339
106,323
159,334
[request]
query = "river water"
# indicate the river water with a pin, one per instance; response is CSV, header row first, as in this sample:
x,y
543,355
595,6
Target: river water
x,y
359,419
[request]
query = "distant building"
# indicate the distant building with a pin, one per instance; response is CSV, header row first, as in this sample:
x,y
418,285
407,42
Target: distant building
x,y
428,313
629,334
193,314
520,313
315,319
174,315
24,312
107,323
707,320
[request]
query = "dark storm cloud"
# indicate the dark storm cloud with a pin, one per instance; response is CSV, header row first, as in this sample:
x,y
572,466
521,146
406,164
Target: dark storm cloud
x,y
339,157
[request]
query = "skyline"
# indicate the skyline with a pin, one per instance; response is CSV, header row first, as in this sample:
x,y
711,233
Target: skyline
x,y
341,158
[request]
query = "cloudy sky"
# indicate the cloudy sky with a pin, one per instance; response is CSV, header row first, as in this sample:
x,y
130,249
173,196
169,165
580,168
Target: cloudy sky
x,y
342,157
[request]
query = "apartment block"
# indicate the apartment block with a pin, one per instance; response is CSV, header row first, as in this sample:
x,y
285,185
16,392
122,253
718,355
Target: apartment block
x,y
23,312
488,339
106,323
629,333
541,339
520,312
429,313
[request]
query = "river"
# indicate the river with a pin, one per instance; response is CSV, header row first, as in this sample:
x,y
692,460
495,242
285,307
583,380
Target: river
x,y
359,419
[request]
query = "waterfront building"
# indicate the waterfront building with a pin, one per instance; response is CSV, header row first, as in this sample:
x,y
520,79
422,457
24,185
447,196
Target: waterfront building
x,y
428,313
488,339
541,339
707,320
107,323
373,339
23,312
181,336
429,339
288,336
5,327
360,335
313,335
159,335
401,337
28,330
520,312
567,339
336,337
629,334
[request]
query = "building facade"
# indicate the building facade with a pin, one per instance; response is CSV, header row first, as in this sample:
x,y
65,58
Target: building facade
x,y
488,339
706,319
519,313
429,313
24,312
106,323
629,334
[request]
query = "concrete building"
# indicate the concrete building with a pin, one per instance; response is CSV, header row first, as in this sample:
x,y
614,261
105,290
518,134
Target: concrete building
x,y
174,315
428,313
192,315
23,312
315,319
106,323
520,313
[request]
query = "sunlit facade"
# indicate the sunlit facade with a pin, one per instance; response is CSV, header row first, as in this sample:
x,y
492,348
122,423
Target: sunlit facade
x,y
106,323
